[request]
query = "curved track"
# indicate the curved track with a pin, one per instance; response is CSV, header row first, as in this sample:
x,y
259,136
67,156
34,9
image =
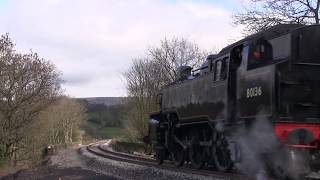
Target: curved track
x,y
106,152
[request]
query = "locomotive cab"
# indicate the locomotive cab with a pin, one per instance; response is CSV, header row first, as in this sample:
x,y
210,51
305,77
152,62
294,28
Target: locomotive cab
x,y
278,80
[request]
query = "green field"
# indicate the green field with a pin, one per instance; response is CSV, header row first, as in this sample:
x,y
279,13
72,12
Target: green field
x,y
96,131
112,132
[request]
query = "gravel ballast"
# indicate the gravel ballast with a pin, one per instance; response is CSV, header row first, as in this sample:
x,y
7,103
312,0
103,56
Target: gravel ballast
x,y
124,170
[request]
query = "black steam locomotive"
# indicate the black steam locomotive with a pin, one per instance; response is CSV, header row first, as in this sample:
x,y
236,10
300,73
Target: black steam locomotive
x,y
273,75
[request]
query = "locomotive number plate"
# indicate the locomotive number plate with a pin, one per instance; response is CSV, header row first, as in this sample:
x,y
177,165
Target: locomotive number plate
x,y
254,92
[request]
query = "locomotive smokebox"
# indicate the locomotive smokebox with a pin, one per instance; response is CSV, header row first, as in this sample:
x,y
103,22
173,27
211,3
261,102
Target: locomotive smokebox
x,y
153,129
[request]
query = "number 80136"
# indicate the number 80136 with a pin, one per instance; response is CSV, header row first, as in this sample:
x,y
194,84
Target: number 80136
x,y
254,92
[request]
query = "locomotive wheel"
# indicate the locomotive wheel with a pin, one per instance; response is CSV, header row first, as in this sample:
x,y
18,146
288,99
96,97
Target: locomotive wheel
x,y
160,155
197,156
178,156
222,159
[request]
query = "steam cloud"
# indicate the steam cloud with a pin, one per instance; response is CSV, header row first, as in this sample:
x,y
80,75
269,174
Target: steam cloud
x,y
262,154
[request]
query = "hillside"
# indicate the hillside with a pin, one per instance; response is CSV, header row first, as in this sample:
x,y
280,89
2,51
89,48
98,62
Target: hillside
x,y
104,116
107,101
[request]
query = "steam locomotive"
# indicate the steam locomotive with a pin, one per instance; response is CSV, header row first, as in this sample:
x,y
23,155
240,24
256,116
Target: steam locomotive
x,y
272,76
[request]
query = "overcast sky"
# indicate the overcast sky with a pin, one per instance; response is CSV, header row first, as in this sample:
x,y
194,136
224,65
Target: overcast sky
x,y
92,42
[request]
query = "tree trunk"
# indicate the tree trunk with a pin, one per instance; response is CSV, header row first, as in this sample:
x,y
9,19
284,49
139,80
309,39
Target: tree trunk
x,y
316,13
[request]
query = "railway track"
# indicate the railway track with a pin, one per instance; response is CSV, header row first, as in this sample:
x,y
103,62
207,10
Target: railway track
x,y
104,151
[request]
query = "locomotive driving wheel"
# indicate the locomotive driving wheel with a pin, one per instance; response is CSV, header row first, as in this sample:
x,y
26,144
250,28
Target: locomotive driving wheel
x,y
176,150
222,155
197,156
196,152
160,155
178,155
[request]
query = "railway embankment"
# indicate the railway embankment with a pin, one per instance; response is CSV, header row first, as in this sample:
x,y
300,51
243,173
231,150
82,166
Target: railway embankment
x,y
65,164
79,163
123,166
99,161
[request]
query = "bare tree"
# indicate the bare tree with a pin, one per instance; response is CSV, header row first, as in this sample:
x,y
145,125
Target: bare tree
x,y
262,14
62,121
28,84
142,86
147,75
173,53
58,124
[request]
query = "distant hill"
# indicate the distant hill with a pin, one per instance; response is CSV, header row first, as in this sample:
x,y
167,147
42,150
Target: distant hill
x,y
107,101
103,114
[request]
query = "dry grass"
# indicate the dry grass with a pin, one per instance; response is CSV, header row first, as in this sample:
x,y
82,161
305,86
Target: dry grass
x,y
9,169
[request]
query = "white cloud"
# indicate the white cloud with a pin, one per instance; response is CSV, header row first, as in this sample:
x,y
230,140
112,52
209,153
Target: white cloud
x,y
93,42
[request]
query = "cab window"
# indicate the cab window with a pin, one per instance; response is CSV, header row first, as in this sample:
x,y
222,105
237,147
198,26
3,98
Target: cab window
x,y
220,69
260,53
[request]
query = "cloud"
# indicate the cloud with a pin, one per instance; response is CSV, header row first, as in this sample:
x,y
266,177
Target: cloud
x,y
93,42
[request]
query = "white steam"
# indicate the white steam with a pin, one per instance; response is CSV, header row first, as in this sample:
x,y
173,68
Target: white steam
x,y
262,153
